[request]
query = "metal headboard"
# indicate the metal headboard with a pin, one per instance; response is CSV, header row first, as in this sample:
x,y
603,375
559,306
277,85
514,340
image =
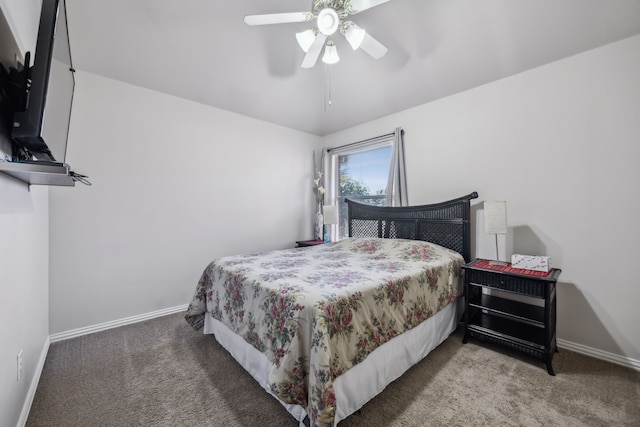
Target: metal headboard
x,y
446,224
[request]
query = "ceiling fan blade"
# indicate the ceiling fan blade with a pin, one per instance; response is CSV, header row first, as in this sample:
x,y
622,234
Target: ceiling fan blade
x,y
313,53
360,5
277,18
373,47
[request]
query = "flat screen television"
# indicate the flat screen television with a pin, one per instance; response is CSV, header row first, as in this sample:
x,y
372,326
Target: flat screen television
x,y
40,131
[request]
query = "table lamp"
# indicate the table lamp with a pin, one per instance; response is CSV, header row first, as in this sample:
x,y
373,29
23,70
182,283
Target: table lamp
x,y
330,217
495,222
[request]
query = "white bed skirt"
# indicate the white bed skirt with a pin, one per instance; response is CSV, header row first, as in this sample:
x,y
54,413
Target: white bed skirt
x,y
365,380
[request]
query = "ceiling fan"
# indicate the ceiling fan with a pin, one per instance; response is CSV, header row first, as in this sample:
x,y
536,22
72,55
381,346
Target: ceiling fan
x,y
330,16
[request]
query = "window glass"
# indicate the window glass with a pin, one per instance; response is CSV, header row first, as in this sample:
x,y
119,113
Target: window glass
x,y
361,176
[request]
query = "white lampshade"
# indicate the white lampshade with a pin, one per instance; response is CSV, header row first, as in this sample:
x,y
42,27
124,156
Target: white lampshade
x,y
330,213
306,39
495,217
330,53
355,35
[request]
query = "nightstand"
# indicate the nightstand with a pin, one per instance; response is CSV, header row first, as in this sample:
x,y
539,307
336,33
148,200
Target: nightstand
x,y
527,327
305,243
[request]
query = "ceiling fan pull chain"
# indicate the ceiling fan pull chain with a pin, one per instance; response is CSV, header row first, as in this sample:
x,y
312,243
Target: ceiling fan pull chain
x,y
329,79
327,87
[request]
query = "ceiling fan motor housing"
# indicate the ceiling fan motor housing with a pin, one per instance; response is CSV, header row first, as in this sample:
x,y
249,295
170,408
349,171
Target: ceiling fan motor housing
x,y
328,21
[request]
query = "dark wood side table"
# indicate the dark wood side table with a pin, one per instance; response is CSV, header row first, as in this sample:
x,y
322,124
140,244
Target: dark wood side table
x,y
529,328
305,243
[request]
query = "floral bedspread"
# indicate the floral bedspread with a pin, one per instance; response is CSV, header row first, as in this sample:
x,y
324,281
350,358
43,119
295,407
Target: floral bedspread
x,y
316,312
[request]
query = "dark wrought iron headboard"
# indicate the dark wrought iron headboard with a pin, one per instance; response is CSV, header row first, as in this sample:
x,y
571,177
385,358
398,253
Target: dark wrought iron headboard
x,y
446,224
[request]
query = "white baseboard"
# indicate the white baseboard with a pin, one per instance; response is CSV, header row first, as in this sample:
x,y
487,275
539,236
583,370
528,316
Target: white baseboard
x,y
31,393
578,348
60,336
600,354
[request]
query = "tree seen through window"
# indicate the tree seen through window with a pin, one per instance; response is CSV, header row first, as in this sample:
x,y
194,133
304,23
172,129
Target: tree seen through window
x,y
363,177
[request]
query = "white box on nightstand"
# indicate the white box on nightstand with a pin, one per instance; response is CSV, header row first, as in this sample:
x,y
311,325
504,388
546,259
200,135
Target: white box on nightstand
x,y
531,262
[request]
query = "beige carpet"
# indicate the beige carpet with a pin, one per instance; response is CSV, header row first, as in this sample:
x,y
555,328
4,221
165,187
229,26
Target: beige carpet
x,y
163,373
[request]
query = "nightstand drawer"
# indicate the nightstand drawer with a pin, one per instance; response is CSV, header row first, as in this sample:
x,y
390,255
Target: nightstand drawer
x,y
520,285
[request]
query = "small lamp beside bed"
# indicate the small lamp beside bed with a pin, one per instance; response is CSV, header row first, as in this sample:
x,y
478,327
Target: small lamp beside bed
x,y
495,222
330,217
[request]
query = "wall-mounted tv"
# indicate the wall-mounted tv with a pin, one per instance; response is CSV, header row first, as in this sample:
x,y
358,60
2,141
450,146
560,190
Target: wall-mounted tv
x,y
40,131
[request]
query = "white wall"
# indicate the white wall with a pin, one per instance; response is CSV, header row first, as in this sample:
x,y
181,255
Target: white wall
x,y
175,185
24,289
24,263
561,145
23,17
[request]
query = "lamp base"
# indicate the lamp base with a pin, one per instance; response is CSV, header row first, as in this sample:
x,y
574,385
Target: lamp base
x,y
500,263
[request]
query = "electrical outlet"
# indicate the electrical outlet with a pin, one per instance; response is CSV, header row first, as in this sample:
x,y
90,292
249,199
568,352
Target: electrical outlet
x,y
19,366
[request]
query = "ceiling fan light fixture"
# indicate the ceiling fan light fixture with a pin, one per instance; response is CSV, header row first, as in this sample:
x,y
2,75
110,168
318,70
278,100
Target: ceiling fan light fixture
x,y
330,16
330,53
354,35
328,21
306,39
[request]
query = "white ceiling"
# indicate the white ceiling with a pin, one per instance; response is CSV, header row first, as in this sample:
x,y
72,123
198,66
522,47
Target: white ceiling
x,y
201,50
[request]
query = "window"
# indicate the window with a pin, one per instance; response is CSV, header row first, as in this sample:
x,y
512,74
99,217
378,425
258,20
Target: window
x,y
360,172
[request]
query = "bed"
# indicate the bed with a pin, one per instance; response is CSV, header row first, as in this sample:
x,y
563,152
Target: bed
x,y
326,328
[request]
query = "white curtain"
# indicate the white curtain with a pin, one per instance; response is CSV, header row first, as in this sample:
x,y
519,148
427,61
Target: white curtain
x,y
397,184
